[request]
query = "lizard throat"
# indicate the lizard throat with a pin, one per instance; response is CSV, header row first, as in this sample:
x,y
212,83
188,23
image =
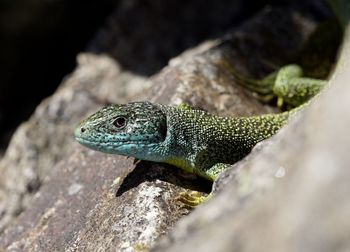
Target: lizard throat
x,y
122,147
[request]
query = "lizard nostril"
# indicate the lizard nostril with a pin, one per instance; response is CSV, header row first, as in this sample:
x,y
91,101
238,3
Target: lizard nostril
x,y
82,130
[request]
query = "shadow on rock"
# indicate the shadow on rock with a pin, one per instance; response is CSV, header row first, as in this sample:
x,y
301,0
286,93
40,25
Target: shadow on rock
x,y
148,171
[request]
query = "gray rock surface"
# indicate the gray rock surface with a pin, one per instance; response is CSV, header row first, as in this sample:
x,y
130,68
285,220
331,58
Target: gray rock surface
x,y
46,138
90,200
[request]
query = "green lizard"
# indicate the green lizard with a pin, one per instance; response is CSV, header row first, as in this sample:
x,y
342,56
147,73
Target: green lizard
x,y
193,140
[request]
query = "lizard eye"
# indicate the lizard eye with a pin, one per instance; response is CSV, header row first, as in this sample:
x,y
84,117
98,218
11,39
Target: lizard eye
x,y
120,122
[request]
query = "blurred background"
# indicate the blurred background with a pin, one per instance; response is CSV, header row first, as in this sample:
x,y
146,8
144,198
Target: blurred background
x,y
39,41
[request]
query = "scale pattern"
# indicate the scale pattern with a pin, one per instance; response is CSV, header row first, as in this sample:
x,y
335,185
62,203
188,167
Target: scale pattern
x,y
203,140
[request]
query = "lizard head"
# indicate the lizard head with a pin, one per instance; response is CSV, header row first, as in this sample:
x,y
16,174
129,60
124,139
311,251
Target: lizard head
x,y
134,129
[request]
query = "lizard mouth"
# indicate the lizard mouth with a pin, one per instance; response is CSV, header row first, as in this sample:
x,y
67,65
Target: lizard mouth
x,y
118,143
123,147
102,141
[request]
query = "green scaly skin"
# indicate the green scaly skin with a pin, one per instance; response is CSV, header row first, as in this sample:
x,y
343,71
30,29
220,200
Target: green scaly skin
x,y
193,140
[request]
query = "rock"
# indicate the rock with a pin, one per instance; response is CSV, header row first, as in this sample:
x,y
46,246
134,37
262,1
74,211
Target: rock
x,y
46,138
93,201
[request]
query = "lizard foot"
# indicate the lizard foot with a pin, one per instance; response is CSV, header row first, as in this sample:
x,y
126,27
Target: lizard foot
x,y
192,199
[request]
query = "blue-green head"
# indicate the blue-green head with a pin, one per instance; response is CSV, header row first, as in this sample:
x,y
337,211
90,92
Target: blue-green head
x,y
135,129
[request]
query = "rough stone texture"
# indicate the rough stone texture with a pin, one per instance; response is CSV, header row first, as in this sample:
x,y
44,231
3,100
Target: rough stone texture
x,y
45,139
290,194
95,201
77,206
